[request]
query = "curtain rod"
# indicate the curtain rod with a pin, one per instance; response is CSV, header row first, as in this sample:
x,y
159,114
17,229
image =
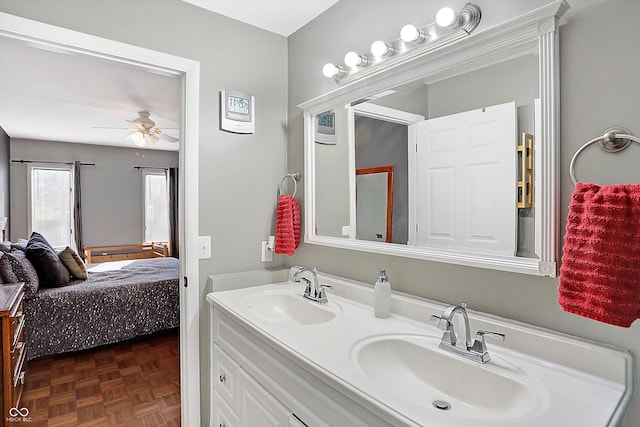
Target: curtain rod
x,y
153,167
51,163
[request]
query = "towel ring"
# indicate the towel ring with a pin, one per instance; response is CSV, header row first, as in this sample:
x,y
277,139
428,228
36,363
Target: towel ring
x,y
612,140
293,176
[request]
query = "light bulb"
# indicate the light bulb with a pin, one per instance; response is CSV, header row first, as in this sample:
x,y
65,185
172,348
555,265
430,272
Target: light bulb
x,y
411,33
352,59
330,70
138,139
152,138
446,17
380,48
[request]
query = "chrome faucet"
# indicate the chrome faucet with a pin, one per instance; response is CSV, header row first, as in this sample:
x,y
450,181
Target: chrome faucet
x,y
475,350
314,290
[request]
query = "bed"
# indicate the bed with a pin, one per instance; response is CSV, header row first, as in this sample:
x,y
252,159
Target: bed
x,y
119,300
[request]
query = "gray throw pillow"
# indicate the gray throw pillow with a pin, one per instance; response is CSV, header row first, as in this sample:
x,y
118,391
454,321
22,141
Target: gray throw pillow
x,y
15,267
20,245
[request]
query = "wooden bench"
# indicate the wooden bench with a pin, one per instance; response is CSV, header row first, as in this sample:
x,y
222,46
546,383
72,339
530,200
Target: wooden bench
x,y
124,252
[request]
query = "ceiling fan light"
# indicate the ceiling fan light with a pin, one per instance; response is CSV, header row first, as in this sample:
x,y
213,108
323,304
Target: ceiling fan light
x,y
152,138
138,139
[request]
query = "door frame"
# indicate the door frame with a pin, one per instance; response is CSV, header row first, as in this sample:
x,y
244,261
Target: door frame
x,y
386,114
63,40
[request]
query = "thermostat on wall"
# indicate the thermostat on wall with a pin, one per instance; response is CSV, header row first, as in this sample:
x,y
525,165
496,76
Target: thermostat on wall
x,y
326,128
237,111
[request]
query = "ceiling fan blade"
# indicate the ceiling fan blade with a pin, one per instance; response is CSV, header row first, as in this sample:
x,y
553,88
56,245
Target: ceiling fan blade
x,y
139,126
168,137
108,127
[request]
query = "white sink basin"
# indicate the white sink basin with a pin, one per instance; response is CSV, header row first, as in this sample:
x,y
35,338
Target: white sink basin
x,y
288,308
413,368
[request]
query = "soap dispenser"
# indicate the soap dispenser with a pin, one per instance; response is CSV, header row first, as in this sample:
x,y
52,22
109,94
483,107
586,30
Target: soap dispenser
x,y
382,295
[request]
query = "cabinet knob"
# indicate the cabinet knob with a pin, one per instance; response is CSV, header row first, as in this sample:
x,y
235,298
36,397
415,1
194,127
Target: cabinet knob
x,y
221,378
221,425
21,377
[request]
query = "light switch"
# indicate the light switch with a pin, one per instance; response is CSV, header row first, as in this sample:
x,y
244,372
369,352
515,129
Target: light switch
x,y
204,247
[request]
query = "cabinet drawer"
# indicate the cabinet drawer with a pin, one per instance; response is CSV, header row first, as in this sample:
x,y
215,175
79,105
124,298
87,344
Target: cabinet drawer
x,y
16,323
225,377
223,415
17,351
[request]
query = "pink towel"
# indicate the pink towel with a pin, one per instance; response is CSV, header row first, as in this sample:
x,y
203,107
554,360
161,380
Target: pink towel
x,y
600,272
287,226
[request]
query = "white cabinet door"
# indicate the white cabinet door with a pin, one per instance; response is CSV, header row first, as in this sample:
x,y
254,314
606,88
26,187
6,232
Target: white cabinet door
x,y
257,407
465,174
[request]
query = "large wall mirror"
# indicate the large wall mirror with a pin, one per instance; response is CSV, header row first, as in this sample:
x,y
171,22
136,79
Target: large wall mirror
x,y
470,131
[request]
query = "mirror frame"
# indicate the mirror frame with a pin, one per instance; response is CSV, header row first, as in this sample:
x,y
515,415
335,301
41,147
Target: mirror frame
x,y
509,39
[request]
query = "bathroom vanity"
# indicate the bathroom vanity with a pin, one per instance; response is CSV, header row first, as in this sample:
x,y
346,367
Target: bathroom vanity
x,y
283,360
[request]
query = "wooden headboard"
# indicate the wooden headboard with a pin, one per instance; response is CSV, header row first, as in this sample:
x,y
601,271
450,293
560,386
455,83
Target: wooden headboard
x,y
119,253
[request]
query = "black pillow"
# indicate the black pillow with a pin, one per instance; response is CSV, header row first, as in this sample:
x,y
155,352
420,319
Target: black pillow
x,y
51,271
37,237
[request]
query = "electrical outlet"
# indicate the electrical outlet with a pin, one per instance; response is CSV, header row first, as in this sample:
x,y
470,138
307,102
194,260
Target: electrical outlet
x,y
204,247
266,255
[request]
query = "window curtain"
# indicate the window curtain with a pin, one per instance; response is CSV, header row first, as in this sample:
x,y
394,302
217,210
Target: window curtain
x,y
77,207
172,189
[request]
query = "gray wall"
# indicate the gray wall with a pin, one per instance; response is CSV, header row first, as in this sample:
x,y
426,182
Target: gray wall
x,y
597,92
4,176
112,190
239,174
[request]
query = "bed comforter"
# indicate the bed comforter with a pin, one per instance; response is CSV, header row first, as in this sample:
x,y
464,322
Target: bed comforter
x,y
120,300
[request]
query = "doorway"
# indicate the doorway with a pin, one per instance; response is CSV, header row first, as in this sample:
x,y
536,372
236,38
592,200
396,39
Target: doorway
x,y
44,36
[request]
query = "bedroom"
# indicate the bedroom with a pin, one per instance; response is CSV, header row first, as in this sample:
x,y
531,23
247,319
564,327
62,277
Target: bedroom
x,y
238,176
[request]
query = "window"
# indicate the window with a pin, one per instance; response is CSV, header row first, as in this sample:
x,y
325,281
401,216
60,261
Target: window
x,y
51,203
156,207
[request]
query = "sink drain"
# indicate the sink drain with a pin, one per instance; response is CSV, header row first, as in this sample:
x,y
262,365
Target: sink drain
x,y
442,405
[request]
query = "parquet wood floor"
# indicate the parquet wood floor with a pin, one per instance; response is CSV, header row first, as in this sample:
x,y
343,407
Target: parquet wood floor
x,y
135,383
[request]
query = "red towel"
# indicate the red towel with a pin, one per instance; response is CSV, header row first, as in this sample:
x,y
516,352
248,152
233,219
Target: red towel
x,y
600,272
287,226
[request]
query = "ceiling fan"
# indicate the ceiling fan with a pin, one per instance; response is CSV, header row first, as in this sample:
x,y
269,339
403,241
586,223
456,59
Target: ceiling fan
x,y
145,131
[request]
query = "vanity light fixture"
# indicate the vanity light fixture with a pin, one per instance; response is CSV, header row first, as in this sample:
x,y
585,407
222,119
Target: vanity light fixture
x,y
412,34
454,26
353,60
466,18
332,70
380,49
447,17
